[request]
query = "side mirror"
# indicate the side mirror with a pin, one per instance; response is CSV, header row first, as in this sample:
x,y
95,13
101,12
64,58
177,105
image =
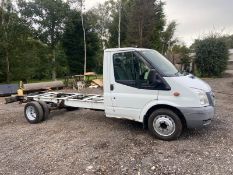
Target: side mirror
x,y
154,78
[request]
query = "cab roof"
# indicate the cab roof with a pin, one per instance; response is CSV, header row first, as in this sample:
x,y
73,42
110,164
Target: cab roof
x,y
125,49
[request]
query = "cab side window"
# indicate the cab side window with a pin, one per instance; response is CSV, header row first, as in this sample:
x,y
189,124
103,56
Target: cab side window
x,y
130,69
124,70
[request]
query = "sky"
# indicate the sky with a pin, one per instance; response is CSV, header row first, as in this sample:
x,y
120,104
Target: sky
x,y
195,18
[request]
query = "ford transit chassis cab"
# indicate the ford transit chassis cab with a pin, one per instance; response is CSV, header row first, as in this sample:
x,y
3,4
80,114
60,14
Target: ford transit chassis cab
x,y
140,85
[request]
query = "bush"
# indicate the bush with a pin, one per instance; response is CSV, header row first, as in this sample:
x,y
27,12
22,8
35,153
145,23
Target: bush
x,y
211,56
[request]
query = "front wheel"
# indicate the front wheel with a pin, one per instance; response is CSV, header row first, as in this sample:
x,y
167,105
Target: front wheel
x,y
165,124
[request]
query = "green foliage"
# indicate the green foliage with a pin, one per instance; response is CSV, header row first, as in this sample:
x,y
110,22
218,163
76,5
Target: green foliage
x,y
7,16
40,38
211,56
228,40
142,24
62,67
49,17
14,41
101,19
184,55
167,36
73,44
2,73
31,61
159,24
29,58
113,27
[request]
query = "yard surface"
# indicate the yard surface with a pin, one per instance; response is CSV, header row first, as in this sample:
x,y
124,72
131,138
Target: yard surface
x,y
86,142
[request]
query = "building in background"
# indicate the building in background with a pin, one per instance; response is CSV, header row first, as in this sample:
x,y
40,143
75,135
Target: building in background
x,y
230,63
182,62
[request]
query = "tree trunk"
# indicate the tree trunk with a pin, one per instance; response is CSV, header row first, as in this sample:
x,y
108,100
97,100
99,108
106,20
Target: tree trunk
x,y
5,28
54,74
84,40
53,48
7,67
173,60
43,86
2,7
119,26
141,32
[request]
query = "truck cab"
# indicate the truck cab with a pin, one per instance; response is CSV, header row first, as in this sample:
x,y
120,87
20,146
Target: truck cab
x,y
142,85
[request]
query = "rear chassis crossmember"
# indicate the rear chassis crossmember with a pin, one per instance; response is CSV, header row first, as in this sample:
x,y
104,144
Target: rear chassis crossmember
x,y
74,100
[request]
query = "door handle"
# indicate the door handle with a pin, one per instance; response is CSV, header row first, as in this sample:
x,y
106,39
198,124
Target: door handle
x,y
111,87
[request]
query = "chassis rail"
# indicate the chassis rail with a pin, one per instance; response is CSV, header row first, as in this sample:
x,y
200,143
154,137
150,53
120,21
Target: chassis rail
x,y
75,100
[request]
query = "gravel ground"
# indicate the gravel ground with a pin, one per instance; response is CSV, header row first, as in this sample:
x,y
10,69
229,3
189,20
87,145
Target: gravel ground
x,y
85,142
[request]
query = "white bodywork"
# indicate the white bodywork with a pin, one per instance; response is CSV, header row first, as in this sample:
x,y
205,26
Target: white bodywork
x,y
130,102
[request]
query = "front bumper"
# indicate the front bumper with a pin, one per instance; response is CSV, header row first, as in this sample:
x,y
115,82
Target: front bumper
x,y
198,117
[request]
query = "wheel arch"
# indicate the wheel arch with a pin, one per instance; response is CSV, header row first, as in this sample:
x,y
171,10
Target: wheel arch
x,y
162,106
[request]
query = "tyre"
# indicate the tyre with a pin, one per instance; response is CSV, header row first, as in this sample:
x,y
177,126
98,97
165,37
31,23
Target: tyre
x,y
165,124
33,112
46,110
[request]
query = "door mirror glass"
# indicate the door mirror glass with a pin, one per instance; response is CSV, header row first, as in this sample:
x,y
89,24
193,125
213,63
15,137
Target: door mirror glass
x,y
154,78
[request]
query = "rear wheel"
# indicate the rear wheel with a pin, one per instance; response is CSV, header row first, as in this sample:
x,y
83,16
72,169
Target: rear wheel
x,y
33,112
45,110
165,124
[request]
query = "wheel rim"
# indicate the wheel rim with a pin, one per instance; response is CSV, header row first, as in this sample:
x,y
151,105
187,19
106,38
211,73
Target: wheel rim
x,y
164,125
31,113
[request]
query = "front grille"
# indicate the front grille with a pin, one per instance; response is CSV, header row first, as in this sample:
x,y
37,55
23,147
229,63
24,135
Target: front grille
x,y
211,98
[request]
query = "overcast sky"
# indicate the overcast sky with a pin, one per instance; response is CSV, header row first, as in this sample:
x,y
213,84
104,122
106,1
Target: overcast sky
x,y
195,18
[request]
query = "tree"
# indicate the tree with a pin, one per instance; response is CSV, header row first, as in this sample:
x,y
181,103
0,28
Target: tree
x,y
159,25
73,43
167,37
15,46
84,36
146,23
30,60
118,28
62,61
211,56
141,23
6,10
47,17
119,23
180,54
228,40
79,6
102,17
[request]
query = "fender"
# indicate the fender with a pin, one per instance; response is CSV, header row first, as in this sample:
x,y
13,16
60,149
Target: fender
x,y
154,103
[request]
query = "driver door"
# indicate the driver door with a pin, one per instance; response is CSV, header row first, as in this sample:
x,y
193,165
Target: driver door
x,y
131,89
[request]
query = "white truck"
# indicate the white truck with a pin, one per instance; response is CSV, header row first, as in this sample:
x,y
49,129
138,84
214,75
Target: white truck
x,y
140,85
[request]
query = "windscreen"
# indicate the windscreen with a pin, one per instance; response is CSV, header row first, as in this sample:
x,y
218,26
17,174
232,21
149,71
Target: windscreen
x,y
160,62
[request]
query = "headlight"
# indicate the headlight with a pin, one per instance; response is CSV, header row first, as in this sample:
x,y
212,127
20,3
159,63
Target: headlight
x,y
202,96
